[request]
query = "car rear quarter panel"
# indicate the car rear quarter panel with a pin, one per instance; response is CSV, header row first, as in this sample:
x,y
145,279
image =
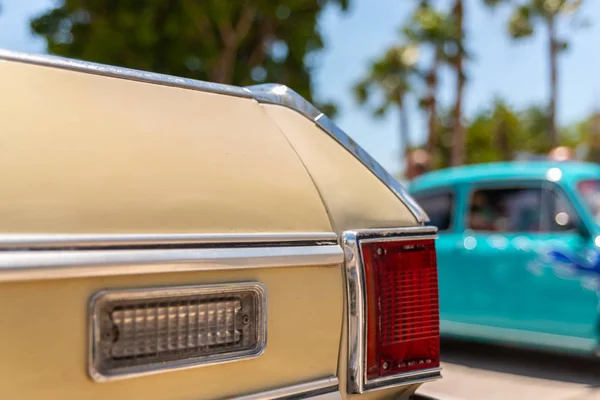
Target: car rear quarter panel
x,y
353,196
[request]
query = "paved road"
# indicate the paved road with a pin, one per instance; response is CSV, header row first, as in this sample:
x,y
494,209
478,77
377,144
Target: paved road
x,y
482,372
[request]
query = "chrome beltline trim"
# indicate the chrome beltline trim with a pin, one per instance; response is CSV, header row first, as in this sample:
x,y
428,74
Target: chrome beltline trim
x,y
32,241
322,389
57,264
266,93
357,317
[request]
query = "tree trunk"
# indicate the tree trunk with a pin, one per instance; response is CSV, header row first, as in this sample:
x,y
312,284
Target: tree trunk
x,y
432,80
404,131
231,37
459,139
552,129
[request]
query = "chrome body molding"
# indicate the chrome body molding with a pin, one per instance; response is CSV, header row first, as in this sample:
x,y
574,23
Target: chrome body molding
x,y
357,310
266,93
70,256
70,241
322,389
148,294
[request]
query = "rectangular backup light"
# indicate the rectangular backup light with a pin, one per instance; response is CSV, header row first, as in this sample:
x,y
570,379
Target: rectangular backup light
x,y
144,331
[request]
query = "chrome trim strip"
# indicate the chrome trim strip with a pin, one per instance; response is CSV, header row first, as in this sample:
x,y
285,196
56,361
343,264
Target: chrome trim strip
x,y
356,292
394,380
397,233
58,264
32,241
336,395
99,298
320,389
402,381
122,73
396,239
266,93
272,93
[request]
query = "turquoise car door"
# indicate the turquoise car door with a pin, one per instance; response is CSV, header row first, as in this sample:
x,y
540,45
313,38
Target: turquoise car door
x,y
441,205
490,260
562,297
500,218
519,292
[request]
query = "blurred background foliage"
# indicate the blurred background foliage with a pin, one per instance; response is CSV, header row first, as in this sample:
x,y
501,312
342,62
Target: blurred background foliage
x,y
241,42
253,41
502,133
436,35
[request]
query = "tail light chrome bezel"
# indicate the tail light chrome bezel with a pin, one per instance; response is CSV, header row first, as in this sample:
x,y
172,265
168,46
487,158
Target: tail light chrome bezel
x,y
98,300
357,308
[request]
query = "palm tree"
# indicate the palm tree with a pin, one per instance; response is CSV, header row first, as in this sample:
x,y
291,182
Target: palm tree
x,y
389,81
431,29
521,25
457,61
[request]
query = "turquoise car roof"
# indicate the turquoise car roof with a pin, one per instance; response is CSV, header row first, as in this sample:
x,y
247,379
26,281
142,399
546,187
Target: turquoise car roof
x,y
571,170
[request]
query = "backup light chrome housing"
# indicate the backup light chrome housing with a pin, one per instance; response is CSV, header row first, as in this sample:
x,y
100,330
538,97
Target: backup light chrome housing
x,y
147,331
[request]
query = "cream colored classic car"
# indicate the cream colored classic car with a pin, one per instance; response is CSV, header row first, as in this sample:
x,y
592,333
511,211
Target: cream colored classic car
x,y
164,238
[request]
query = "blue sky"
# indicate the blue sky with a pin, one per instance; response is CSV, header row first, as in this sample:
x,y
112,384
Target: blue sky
x,y
500,68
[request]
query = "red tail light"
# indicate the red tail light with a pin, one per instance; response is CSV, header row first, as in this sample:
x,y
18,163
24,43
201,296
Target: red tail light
x,y
402,307
393,309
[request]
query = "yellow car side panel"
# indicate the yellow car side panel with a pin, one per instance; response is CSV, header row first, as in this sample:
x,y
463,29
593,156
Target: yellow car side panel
x,y
83,153
45,330
353,196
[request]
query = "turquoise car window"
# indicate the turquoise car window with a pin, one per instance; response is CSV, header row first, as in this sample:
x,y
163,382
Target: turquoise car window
x,y
439,207
506,210
525,209
560,214
590,192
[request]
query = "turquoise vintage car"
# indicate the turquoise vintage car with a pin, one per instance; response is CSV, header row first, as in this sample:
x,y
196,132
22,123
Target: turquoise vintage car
x,y
518,251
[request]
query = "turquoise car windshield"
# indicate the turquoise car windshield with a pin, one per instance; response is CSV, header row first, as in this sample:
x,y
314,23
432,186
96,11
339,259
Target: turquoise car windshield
x,y
590,192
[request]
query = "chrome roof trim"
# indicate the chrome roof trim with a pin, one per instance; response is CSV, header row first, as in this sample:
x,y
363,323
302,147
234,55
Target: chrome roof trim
x,y
272,93
24,265
310,390
72,241
265,93
123,73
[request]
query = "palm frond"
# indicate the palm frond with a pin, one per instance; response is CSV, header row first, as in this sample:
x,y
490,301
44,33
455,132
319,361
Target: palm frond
x,y
361,91
520,24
